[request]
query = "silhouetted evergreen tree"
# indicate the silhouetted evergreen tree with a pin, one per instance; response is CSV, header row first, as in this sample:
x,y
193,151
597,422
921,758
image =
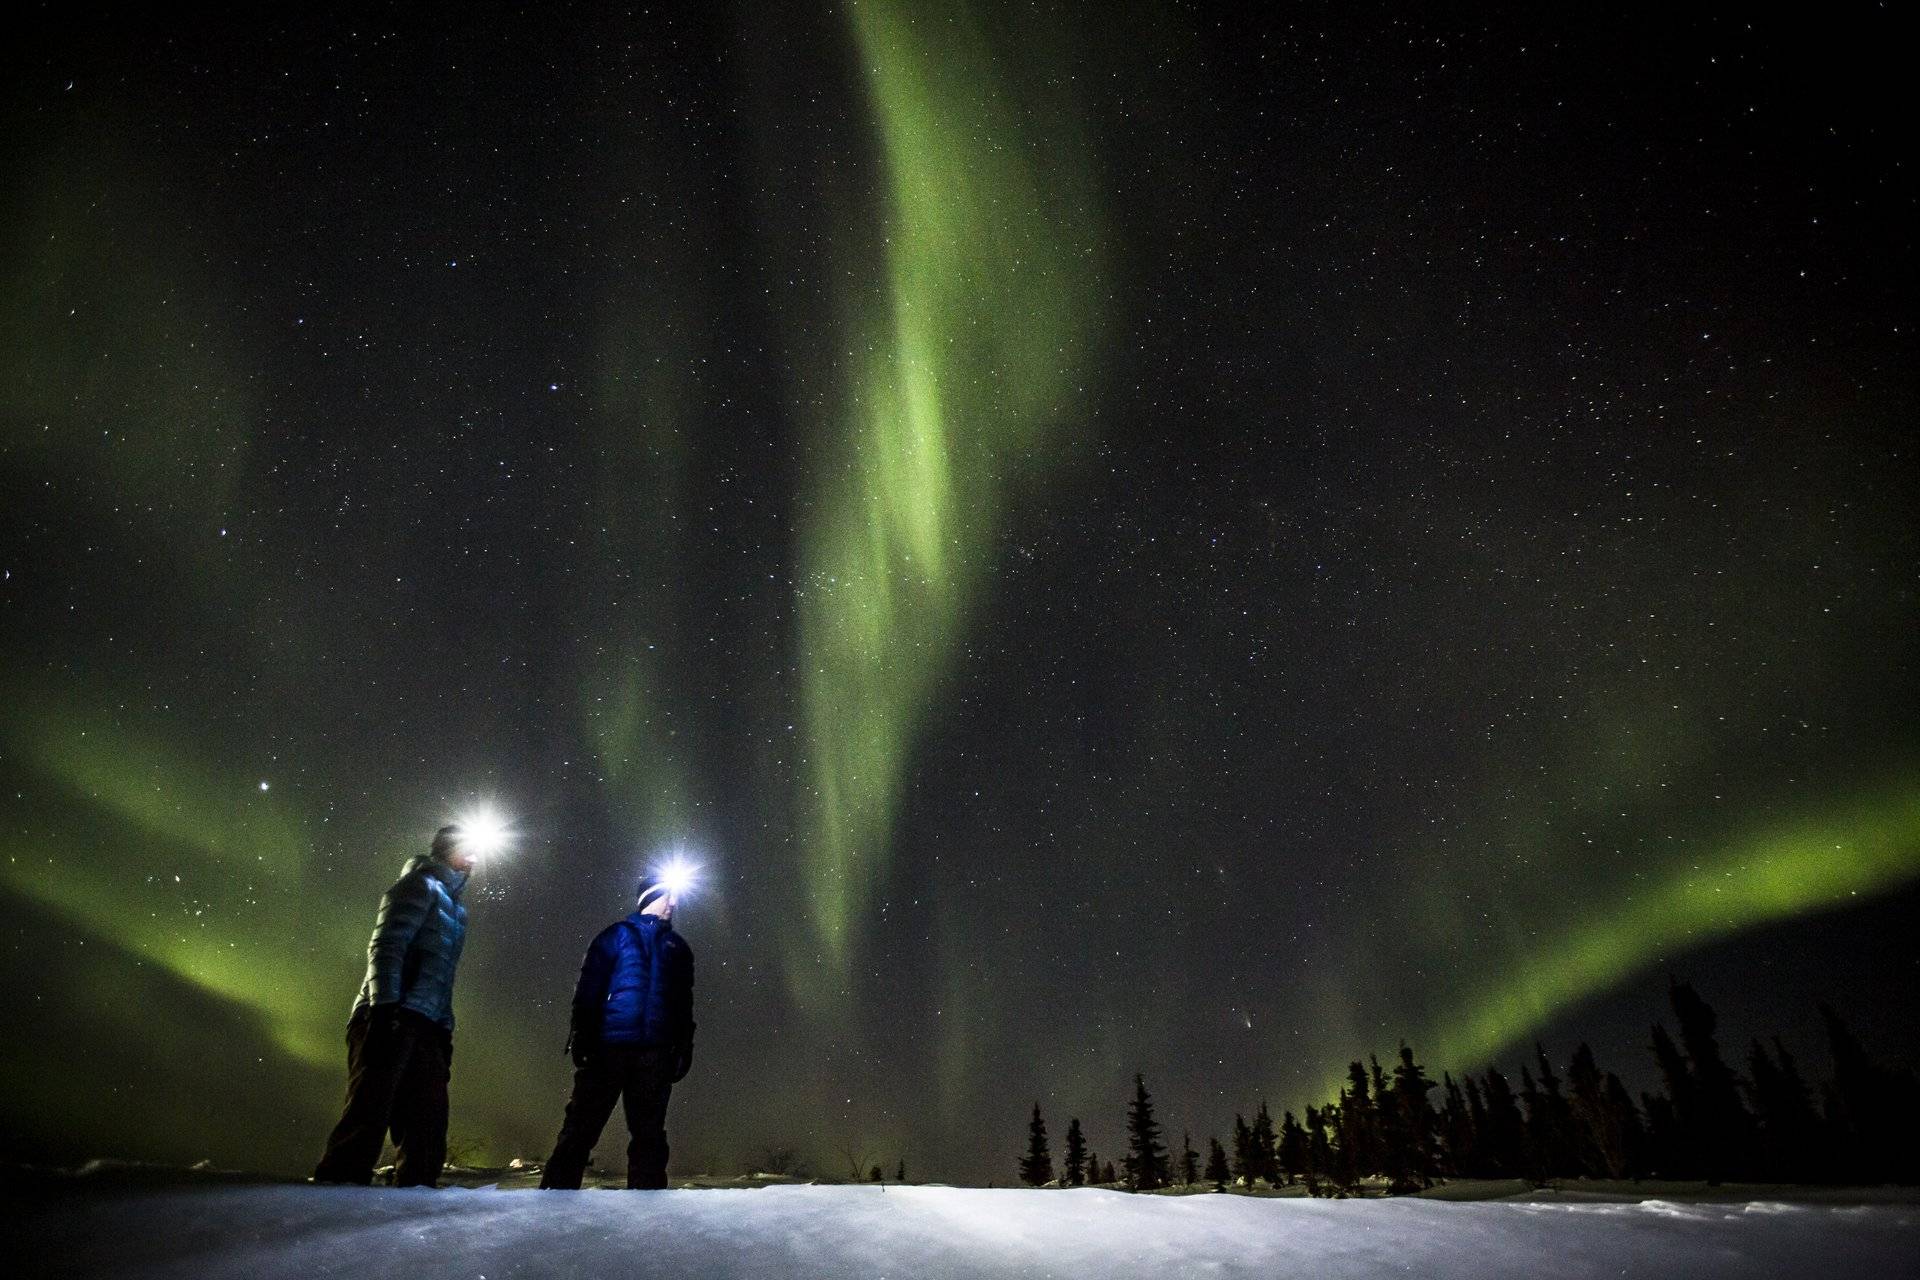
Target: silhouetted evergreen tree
x,y
1666,1149
1605,1122
1721,1128
1265,1164
1217,1172
1375,1160
1550,1124
1675,1142
1456,1136
1476,1163
1873,1113
1318,1165
1410,1126
1076,1155
1787,1127
1532,1166
1146,1159
1093,1167
1359,1128
1291,1155
1633,1130
1036,1170
1503,1138
1586,1104
1189,1161
1107,1175
1852,1100
1346,1128
1243,1161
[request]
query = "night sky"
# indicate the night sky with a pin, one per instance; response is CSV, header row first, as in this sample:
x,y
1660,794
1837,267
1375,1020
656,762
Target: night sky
x,y
1124,538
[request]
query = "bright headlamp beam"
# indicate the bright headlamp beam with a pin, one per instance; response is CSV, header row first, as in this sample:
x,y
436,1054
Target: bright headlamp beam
x,y
483,833
677,876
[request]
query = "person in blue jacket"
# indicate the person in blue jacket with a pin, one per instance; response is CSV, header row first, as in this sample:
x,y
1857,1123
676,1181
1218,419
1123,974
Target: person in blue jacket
x,y
400,1034
632,1040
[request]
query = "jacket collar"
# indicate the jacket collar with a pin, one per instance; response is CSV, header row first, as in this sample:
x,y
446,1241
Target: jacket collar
x,y
454,880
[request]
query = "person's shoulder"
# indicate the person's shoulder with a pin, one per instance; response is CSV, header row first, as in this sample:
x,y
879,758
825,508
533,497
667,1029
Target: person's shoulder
x,y
413,878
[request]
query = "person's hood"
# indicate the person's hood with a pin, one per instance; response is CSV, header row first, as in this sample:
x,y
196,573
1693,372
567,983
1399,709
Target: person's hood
x,y
454,880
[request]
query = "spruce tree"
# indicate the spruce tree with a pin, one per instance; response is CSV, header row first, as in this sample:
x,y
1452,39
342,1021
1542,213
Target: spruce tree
x,y
1476,1163
1534,1160
1873,1112
1265,1164
1319,1161
1676,1144
1243,1171
1456,1130
1722,1127
1036,1170
1605,1124
1076,1171
1358,1129
1595,1150
1666,1150
1414,1124
1633,1131
1788,1128
1217,1172
1146,1159
1107,1175
1374,1158
1292,1153
1189,1161
1347,1127
1503,1136
1550,1124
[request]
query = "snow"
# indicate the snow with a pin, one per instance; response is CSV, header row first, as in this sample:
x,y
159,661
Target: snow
x,y
258,1231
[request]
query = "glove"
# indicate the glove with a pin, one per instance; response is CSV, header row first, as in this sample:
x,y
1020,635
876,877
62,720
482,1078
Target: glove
x,y
577,1049
383,1019
682,1060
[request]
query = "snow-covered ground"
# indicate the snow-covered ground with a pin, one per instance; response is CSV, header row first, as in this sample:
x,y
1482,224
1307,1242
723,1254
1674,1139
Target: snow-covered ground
x,y
249,1232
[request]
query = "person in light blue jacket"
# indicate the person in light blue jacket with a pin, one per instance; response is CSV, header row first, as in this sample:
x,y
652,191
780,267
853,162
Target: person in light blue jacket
x,y
400,1034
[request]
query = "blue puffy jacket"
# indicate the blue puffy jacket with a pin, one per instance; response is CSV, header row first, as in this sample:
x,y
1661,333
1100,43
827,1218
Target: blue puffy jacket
x,y
416,941
636,986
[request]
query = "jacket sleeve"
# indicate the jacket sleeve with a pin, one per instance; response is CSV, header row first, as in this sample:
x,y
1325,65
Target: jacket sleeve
x,y
590,992
402,912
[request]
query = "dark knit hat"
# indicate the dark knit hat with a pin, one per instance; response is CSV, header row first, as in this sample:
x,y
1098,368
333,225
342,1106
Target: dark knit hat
x,y
651,886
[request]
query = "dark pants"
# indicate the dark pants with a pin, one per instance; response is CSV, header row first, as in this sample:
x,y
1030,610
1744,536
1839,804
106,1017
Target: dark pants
x,y
642,1075
396,1079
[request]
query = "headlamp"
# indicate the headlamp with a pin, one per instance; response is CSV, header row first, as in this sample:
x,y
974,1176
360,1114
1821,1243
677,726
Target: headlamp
x,y
677,876
483,833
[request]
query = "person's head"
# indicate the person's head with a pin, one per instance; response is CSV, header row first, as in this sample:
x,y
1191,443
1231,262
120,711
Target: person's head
x,y
655,896
447,848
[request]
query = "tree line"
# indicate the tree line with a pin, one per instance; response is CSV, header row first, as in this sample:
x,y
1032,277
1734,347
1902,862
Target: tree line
x,y
1711,1123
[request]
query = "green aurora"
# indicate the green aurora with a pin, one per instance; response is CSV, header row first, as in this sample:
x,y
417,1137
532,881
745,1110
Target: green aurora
x,y
975,301
1855,852
969,369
